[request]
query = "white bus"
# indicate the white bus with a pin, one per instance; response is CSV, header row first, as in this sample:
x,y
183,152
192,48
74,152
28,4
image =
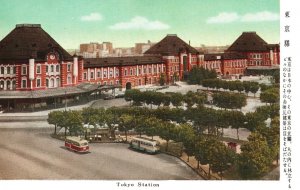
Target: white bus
x,y
144,144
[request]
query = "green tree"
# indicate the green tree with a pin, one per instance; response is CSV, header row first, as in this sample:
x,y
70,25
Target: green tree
x,y
125,123
189,98
270,96
276,76
186,135
221,157
162,79
176,99
247,86
237,120
198,74
255,159
253,120
229,100
239,86
134,95
167,132
74,121
152,125
55,118
254,87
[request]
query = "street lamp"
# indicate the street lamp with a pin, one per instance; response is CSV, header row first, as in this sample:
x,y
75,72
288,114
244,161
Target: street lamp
x,y
65,100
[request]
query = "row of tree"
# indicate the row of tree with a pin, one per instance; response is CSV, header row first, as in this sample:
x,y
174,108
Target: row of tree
x,y
197,128
270,95
237,85
197,74
229,100
158,98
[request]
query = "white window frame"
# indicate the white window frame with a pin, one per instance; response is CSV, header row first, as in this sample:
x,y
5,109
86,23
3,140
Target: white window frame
x,y
38,66
22,86
22,70
38,79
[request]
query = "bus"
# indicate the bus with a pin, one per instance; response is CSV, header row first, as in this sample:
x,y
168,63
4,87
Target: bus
x,y
76,144
144,144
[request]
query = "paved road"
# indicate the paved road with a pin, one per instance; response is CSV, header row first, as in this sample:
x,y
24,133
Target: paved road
x,y
30,153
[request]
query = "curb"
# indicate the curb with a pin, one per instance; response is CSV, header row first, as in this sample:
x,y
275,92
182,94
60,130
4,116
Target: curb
x,y
22,118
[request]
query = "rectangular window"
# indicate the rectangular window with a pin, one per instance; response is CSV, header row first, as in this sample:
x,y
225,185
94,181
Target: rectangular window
x,y
2,70
68,67
117,72
110,73
8,70
84,76
98,74
92,75
24,85
105,74
145,70
38,82
150,70
38,69
47,69
69,80
131,72
57,68
125,72
52,68
14,70
24,70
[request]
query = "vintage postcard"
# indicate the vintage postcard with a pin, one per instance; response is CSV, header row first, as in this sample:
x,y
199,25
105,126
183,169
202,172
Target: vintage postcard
x,y
152,94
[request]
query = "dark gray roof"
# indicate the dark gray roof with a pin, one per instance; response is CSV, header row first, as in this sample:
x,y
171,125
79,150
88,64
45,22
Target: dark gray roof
x,y
247,42
171,45
29,41
121,61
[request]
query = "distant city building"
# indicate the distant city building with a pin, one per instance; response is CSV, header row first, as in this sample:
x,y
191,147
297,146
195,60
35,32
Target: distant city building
x,y
212,49
95,50
141,48
123,52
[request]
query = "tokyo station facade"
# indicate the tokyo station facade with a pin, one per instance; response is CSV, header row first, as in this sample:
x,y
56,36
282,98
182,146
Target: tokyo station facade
x,y
36,72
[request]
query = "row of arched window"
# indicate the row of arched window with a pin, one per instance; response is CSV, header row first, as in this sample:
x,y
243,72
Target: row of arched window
x,y
7,84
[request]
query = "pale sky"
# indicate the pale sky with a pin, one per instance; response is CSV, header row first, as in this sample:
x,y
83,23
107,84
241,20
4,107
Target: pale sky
x,y
126,22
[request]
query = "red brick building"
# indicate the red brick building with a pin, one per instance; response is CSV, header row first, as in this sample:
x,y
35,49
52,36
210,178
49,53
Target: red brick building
x,y
226,63
34,67
31,60
125,71
36,71
258,51
178,56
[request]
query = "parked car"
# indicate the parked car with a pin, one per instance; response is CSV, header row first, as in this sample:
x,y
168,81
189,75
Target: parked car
x,y
120,95
109,97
